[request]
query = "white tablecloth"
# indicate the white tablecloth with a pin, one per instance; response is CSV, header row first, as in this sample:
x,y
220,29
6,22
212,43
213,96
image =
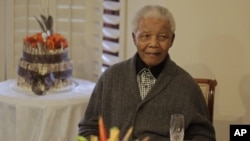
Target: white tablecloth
x,y
25,116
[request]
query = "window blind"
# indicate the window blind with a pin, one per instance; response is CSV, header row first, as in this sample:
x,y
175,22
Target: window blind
x,y
111,33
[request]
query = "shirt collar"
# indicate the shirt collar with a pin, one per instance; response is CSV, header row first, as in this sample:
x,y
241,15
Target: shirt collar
x,y
154,70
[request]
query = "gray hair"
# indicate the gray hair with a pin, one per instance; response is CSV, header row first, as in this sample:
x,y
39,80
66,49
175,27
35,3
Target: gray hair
x,y
153,11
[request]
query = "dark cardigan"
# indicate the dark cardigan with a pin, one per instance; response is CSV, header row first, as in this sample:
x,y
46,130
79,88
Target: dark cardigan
x,y
116,97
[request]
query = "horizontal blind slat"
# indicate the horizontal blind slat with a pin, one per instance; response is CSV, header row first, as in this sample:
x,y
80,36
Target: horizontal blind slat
x,y
111,5
110,46
111,33
109,59
111,19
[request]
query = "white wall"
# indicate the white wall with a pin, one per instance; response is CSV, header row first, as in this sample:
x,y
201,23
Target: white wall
x,y
212,40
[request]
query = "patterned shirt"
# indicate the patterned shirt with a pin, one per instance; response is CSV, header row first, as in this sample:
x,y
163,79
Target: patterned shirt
x,y
146,77
145,80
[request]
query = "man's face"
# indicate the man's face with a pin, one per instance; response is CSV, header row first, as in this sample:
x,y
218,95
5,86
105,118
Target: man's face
x,y
153,40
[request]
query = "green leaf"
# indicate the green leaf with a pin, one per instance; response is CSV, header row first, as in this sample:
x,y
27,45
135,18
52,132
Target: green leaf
x,y
44,18
41,25
81,138
49,24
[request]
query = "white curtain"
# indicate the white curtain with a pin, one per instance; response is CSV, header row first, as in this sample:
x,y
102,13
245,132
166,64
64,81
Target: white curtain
x,y
96,38
80,21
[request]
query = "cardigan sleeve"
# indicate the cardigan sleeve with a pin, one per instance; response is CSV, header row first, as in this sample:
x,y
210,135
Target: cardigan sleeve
x,y
89,123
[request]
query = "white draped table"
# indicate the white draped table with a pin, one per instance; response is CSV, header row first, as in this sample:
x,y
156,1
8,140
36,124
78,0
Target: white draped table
x,y
25,116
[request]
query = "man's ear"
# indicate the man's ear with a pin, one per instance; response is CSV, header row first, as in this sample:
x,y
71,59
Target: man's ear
x,y
172,41
134,38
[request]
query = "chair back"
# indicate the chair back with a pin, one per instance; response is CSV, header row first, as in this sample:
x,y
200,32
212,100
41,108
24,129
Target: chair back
x,y
208,89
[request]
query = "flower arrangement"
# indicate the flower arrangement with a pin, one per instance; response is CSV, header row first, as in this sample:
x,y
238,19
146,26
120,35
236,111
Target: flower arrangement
x,y
47,38
55,41
113,136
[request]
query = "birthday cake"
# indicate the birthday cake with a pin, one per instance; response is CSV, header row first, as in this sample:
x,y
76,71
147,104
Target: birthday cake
x,y
44,64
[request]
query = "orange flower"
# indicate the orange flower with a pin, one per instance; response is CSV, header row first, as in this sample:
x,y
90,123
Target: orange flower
x,y
102,130
50,44
55,41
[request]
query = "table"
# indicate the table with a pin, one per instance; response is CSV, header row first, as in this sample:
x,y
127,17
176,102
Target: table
x,y
25,116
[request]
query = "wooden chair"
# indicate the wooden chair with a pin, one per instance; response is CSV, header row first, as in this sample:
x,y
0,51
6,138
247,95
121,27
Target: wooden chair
x,y
208,89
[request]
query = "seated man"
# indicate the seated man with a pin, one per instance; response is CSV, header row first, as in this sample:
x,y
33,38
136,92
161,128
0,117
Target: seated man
x,y
143,91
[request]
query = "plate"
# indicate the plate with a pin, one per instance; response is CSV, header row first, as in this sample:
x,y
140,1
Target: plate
x,y
71,86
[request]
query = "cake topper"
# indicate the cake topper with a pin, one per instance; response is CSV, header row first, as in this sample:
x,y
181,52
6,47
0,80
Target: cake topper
x,y
46,25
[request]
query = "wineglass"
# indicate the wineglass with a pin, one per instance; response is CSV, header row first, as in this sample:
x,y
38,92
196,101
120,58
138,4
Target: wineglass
x,y
177,127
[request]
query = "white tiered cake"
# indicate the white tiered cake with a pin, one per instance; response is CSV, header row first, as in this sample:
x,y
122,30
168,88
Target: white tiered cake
x,y
44,64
